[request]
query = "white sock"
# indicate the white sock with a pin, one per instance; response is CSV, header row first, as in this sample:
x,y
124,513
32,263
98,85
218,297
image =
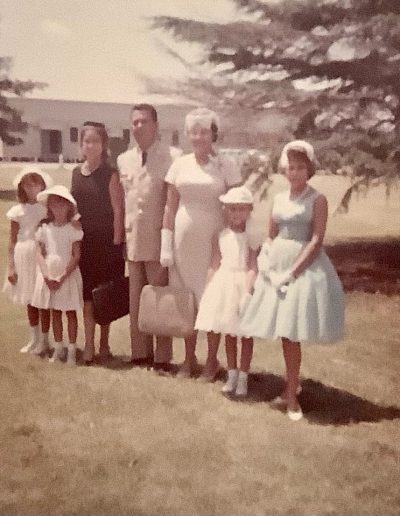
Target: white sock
x,y
71,356
45,338
58,351
35,333
241,389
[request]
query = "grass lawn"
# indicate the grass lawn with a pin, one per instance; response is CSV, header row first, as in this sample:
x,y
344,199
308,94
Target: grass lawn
x,y
116,440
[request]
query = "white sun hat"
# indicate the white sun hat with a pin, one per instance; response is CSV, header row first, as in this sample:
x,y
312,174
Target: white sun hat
x,y
32,169
237,195
299,146
60,190
201,116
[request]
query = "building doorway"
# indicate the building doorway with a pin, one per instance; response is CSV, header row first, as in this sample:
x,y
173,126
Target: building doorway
x,y
51,144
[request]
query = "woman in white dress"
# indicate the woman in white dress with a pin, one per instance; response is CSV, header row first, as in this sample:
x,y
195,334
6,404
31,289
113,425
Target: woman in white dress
x,y
298,296
58,285
193,214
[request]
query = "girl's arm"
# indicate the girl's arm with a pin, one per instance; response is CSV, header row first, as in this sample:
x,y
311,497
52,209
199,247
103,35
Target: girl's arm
x,y
12,273
251,270
73,262
171,207
215,259
310,251
40,258
117,203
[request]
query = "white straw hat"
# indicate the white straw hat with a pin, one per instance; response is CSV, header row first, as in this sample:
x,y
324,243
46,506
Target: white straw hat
x,y
237,195
59,190
299,146
32,169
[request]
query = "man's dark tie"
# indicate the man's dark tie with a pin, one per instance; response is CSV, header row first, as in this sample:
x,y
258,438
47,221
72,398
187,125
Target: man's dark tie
x,y
144,158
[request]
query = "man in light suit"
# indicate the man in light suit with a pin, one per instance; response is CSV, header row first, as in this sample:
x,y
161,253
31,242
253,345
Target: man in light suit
x,y
142,171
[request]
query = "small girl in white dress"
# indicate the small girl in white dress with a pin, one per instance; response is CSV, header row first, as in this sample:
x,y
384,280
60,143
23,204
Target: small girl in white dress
x,y
231,275
298,296
21,272
59,283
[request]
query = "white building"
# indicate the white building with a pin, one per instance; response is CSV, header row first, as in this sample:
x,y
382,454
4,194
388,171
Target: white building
x,y
53,127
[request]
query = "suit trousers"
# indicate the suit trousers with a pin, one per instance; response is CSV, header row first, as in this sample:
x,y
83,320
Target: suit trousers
x,y
141,274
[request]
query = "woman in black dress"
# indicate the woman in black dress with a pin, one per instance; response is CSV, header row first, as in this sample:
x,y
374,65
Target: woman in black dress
x,y
99,197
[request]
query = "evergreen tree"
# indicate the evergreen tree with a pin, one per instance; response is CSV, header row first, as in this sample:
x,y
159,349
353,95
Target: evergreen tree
x,y
332,64
11,123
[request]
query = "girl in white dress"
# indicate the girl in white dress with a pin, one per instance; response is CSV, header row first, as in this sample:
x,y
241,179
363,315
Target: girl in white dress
x,y
59,283
192,215
297,295
21,272
231,275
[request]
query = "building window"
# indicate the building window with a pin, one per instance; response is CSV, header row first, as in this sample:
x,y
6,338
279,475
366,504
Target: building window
x,y
73,134
55,142
126,135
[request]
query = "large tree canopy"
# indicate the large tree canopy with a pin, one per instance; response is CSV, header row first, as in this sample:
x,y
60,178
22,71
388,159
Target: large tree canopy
x,y
332,64
11,123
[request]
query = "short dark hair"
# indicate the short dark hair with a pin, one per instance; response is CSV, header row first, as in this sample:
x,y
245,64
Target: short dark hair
x,y
146,107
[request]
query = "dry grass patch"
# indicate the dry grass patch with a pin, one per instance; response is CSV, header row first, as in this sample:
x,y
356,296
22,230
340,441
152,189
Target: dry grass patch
x,y
116,440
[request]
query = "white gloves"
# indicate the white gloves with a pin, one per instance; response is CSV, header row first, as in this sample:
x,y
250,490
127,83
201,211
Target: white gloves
x,y
244,303
281,280
166,254
263,262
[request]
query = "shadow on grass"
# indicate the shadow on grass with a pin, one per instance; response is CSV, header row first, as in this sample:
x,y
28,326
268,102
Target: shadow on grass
x,y
321,404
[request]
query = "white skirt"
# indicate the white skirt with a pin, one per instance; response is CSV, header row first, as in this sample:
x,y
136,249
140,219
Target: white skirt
x,y
219,305
25,266
68,297
311,310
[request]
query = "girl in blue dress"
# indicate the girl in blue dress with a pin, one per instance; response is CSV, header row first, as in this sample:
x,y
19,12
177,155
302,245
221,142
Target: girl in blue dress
x,y
298,296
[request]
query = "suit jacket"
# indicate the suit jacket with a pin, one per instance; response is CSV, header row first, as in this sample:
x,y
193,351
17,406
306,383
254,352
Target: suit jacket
x,y
145,198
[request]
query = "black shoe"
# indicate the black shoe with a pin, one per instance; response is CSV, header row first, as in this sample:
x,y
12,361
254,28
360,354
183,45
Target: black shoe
x,y
142,362
165,367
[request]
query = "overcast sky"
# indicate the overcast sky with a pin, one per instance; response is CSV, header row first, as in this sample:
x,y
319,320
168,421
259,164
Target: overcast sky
x,y
99,49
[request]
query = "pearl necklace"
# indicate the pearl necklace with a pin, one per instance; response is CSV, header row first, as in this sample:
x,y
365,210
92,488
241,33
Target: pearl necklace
x,y
86,171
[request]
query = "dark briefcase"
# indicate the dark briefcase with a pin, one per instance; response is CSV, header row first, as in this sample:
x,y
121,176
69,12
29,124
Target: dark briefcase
x,y
111,300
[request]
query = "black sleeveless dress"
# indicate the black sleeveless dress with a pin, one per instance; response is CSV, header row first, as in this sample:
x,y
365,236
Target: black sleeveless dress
x,y
101,260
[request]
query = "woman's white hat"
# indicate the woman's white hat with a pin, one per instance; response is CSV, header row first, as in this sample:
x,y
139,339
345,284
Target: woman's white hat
x,y
59,190
201,116
237,195
299,146
32,169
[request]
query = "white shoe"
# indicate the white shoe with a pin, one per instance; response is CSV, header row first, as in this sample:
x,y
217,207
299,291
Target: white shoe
x,y
28,348
295,415
241,389
231,383
71,356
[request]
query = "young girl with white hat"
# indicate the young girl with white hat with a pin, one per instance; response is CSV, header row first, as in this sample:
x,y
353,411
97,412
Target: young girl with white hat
x,y
21,271
231,275
298,296
59,283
